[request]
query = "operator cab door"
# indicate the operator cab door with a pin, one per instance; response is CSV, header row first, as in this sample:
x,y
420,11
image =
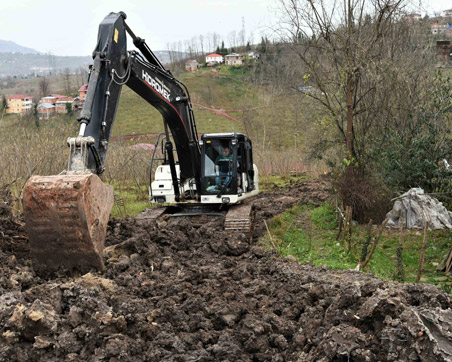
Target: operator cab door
x,y
219,166
245,172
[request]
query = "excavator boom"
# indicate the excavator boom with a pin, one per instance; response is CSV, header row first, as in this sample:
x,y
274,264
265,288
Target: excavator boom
x,y
66,215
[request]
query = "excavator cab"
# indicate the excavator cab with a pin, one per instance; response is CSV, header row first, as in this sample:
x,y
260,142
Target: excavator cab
x,y
228,172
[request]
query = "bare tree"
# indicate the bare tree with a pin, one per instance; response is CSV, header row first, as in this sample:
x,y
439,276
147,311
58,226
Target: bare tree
x,y
360,56
215,40
44,87
201,43
233,39
210,45
67,80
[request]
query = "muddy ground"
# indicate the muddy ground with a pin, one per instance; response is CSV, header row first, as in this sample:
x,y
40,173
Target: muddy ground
x,y
178,290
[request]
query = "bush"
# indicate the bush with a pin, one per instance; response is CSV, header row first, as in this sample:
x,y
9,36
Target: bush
x,y
369,197
411,155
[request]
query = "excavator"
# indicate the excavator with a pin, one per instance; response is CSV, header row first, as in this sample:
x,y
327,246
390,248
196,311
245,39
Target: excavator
x,y
66,215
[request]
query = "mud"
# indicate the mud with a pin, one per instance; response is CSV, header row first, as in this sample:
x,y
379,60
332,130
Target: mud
x,y
178,290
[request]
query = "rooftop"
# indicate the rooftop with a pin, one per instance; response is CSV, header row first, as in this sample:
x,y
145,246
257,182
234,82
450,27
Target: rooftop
x,y
66,100
46,106
19,96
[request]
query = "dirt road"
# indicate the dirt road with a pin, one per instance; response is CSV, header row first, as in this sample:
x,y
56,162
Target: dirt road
x,y
184,290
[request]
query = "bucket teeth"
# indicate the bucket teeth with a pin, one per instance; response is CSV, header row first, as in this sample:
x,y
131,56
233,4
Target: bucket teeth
x,y
66,220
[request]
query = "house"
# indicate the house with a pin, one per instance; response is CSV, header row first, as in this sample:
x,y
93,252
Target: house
x,y
192,65
51,98
233,59
45,110
412,18
61,106
57,96
443,52
253,55
214,58
48,100
447,13
443,29
19,103
82,92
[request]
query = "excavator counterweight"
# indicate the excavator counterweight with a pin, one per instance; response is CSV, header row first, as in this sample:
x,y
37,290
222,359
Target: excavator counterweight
x,y
66,219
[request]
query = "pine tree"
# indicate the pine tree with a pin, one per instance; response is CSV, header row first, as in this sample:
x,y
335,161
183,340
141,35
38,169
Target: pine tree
x,y
223,50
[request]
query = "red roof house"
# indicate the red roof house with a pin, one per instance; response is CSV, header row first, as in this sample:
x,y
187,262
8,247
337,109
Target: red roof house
x,y
214,58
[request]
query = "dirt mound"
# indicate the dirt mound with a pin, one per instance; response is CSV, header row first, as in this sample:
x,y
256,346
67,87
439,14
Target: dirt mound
x,y
176,290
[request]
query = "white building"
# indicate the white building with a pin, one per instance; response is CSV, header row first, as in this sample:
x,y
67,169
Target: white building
x,y
447,13
234,59
253,55
214,58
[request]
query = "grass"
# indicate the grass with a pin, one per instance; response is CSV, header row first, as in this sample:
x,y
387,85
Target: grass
x,y
130,198
223,89
272,182
128,202
136,116
291,233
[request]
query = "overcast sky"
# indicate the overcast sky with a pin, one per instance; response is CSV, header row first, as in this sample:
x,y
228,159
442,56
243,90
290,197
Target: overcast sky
x,y
66,27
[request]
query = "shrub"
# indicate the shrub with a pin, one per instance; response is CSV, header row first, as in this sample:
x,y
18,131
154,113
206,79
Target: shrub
x,y
411,155
369,197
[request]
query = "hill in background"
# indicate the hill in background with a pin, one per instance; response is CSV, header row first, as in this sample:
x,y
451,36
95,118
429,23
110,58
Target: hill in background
x,y
7,46
16,60
18,64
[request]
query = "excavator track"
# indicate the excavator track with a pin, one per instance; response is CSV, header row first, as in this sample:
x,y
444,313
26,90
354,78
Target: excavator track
x,y
150,215
240,218
66,219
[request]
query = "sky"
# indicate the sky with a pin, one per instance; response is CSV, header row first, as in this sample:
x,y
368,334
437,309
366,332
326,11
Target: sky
x,y
70,27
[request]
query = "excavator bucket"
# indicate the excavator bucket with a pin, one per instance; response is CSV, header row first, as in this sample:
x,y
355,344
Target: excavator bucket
x,y
66,220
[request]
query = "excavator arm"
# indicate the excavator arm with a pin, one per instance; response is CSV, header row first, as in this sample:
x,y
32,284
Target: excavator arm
x,y
66,215
142,72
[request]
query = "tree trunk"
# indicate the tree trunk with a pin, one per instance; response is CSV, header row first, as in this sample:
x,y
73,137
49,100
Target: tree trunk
x,y
349,132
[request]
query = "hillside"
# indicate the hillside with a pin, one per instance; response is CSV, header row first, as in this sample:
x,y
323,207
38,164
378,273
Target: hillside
x,y
225,99
135,116
7,46
16,60
23,64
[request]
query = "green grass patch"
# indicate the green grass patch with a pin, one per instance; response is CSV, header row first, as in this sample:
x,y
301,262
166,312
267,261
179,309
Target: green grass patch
x,y
136,116
274,182
324,217
129,200
309,234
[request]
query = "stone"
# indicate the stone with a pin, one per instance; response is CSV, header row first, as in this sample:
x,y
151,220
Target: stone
x,y
42,342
